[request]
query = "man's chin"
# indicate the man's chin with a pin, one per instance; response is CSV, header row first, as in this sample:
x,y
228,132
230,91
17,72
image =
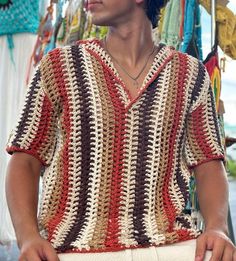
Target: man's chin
x,y
99,22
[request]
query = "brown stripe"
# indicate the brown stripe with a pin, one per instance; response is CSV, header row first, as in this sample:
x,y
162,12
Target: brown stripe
x,y
143,154
28,109
82,202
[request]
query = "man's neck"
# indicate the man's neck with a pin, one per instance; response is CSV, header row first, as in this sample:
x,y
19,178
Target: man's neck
x,y
131,43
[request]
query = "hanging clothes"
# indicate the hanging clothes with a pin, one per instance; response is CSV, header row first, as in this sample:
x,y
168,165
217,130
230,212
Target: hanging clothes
x,y
180,26
188,23
72,25
226,21
18,16
12,90
192,43
212,64
19,21
77,25
170,31
181,32
45,33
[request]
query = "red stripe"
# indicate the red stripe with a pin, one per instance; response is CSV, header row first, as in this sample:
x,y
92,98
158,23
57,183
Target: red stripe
x,y
60,81
201,135
184,235
213,157
178,102
113,229
34,153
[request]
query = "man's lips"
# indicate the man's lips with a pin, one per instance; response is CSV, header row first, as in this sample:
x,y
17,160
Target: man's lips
x,y
92,4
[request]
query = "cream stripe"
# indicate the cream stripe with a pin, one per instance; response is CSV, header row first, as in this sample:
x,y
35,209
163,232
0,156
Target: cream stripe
x,y
177,197
158,110
128,181
107,155
161,218
211,136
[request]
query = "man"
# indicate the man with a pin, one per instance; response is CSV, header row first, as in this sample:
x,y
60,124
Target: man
x,y
121,125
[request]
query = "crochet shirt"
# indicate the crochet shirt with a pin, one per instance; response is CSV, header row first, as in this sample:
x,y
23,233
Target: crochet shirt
x,y
117,169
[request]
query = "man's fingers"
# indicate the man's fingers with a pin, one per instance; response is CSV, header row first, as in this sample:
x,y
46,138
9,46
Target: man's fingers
x,y
234,255
218,250
29,256
221,246
200,249
42,252
228,254
49,254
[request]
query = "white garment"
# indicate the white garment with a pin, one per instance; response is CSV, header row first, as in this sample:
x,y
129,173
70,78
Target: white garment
x,y
12,89
183,251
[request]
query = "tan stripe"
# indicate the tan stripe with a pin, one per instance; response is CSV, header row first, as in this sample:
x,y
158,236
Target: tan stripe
x,y
212,135
177,197
191,150
99,234
158,118
167,106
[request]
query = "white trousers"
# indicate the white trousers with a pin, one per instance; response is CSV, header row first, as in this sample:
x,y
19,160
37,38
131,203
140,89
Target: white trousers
x,y
12,91
183,251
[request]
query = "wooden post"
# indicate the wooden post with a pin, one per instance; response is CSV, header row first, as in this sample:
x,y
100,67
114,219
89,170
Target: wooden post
x,y
213,22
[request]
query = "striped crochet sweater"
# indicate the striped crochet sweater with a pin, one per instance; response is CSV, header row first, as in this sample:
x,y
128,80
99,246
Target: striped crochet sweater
x,y
117,170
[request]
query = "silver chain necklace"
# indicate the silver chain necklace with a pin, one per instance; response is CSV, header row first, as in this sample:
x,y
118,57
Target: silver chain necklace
x,y
135,79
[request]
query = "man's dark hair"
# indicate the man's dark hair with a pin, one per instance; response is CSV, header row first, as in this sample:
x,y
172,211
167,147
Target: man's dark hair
x,y
153,10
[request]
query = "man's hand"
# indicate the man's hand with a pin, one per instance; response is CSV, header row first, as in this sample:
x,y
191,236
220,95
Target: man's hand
x,y
37,249
212,190
216,241
22,185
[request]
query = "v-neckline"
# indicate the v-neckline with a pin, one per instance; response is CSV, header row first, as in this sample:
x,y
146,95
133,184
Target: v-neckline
x,y
163,55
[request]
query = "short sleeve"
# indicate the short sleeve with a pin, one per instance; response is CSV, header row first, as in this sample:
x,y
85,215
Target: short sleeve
x,y
203,141
36,130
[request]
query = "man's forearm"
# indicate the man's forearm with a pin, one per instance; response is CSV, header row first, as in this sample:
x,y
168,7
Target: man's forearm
x,y
212,190
22,194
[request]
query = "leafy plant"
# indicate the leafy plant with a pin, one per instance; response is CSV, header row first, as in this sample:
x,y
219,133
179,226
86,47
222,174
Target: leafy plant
x,y
231,167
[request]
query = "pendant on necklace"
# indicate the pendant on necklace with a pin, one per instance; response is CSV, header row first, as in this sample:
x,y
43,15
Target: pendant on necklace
x,y
135,83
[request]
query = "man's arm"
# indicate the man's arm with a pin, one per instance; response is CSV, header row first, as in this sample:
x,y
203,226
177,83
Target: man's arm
x,y
22,183
212,190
